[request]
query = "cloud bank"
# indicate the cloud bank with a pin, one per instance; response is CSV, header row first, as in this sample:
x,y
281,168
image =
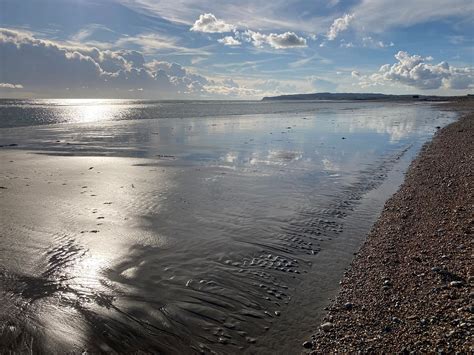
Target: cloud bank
x,y
52,67
415,71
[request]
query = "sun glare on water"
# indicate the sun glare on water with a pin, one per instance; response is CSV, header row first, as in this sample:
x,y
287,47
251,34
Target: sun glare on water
x,y
91,110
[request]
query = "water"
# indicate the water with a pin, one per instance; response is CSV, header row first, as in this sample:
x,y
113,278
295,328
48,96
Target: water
x,y
18,112
187,227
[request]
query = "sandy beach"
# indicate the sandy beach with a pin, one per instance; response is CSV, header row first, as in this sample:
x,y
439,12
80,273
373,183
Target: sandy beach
x,y
206,177
196,234
410,286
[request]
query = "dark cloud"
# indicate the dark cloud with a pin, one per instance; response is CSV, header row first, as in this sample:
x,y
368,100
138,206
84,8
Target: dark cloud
x,y
41,65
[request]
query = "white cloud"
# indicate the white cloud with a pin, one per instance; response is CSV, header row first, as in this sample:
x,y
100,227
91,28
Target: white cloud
x,y
10,86
277,41
345,44
257,89
53,69
286,15
372,43
210,24
229,41
339,25
412,70
262,14
232,91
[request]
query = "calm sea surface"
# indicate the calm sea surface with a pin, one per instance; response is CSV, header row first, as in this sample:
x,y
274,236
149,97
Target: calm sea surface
x,y
190,226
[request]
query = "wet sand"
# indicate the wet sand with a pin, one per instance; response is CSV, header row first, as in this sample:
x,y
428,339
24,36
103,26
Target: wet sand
x,y
210,234
410,286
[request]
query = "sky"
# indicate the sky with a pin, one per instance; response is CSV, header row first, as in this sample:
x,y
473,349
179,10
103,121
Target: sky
x,y
247,49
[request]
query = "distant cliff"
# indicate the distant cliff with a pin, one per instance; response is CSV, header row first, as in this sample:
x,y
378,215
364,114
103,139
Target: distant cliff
x,y
355,96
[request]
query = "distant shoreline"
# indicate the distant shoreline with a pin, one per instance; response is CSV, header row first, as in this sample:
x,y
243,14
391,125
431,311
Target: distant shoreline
x,y
410,286
361,97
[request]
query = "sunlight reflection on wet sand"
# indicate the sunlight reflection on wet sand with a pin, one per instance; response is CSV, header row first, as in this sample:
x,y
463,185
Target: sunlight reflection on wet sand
x,y
179,234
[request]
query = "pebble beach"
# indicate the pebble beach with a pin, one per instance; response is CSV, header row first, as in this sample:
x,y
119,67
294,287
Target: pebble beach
x,y
409,288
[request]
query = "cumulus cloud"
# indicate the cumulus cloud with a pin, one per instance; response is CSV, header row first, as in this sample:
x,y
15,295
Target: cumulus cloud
x,y
277,41
210,24
229,41
414,71
285,40
51,67
10,86
339,25
56,70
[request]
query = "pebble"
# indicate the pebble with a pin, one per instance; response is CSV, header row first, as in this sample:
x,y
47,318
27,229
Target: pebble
x,y
307,345
327,326
456,283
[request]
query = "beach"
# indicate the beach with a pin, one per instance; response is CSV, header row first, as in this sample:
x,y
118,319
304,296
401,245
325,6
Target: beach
x,y
195,233
410,286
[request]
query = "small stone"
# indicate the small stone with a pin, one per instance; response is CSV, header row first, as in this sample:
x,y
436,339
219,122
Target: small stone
x,y
348,306
277,313
307,345
327,326
451,333
456,283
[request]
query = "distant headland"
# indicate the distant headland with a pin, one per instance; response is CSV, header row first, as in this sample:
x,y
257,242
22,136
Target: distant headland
x,y
360,96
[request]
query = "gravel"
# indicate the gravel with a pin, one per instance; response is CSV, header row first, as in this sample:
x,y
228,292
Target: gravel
x,y
410,286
